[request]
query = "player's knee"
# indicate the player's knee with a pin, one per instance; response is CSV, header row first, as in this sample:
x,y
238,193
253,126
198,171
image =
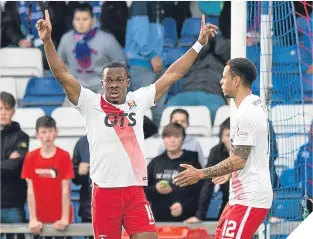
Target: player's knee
x,y
145,235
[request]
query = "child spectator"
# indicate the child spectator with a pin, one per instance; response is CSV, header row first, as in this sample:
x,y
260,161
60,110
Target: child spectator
x,y
169,202
181,116
48,172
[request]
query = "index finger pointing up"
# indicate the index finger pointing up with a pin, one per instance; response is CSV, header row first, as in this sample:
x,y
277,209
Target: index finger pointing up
x,y
47,16
203,20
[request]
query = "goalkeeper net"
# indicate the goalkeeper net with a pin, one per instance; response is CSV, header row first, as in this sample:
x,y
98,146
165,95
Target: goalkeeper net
x,y
279,42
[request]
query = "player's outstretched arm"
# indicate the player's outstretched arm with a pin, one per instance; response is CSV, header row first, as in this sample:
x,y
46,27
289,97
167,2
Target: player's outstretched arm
x,y
233,163
179,68
57,66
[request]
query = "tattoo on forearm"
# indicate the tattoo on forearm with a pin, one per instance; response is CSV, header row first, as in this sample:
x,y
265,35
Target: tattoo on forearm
x,y
220,169
243,151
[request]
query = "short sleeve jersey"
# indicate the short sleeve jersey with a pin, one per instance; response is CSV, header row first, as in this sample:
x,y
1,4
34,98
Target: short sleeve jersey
x,y
115,136
47,175
251,186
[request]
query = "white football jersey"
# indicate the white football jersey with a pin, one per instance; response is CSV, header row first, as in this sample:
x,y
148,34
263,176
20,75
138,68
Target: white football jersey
x,y
116,138
251,186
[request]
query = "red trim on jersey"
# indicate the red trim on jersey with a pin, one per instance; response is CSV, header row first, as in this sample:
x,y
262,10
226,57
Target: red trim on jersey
x,y
236,185
128,139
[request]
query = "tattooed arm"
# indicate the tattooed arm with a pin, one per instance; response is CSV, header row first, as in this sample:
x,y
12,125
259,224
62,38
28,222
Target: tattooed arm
x,y
229,165
235,162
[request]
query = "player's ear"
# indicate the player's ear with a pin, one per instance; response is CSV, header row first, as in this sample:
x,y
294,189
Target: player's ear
x,y
128,82
102,84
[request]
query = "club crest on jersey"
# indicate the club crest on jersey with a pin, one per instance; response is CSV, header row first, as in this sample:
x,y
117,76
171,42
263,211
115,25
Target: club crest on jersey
x,y
131,104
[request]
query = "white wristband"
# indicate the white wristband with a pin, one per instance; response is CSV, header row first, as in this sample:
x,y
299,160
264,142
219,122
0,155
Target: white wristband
x,y
197,47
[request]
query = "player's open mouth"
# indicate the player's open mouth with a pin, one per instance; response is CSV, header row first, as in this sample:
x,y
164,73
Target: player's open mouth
x,y
114,94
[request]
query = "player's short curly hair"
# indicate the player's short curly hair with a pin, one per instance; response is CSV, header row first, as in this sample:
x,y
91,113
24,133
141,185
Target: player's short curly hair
x,y
243,68
116,64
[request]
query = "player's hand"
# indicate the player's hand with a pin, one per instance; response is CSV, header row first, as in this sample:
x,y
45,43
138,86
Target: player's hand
x,y
163,189
176,209
207,31
188,177
23,43
157,64
83,168
44,28
35,226
61,225
221,179
192,220
15,155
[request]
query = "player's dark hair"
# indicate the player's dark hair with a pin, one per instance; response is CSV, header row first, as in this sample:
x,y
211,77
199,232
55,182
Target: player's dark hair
x,y
225,125
7,99
173,129
243,68
180,111
84,7
46,122
116,64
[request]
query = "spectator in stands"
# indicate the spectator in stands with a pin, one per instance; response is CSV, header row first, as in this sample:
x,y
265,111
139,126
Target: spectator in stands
x,y
202,82
181,117
48,171
144,47
14,146
304,162
81,159
85,50
218,153
20,18
169,202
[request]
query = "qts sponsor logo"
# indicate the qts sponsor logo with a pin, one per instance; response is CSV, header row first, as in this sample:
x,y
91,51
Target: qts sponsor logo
x,y
121,120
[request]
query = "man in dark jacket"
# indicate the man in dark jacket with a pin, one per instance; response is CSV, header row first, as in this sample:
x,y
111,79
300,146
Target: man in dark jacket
x,y
202,82
14,146
81,159
217,154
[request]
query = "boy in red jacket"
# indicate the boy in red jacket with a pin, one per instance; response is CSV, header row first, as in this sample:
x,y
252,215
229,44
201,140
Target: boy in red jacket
x,y
48,172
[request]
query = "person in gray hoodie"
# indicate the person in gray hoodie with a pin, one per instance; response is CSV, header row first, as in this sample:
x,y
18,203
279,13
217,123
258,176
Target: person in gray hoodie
x,y
181,117
92,49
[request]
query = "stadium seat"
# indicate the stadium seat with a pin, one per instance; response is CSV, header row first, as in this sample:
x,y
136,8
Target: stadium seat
x,y
291,118
69,121
199,119
214,209
286,59
21,62
171,54
189,32
45,93
287,209
253,53
170,32
175,89
288,146
8,84
287,179
27,118
221,115
152,146
207,143
67,144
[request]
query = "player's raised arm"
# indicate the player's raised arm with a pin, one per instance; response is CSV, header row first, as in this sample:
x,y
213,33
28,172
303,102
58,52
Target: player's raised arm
x,y
178,69
57,66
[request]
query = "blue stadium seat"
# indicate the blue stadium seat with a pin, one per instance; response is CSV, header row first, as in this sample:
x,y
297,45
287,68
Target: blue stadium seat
x,y
170,32
287,179
253,53
45,93
75,191
286,59
288,209
189,32
171,54
214,209
176,88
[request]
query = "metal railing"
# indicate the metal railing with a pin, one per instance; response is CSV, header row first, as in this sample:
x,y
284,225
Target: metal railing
x,y
85,229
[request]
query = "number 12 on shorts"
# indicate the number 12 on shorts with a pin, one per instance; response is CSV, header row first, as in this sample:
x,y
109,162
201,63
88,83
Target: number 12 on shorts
x,y
229,229
150,214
